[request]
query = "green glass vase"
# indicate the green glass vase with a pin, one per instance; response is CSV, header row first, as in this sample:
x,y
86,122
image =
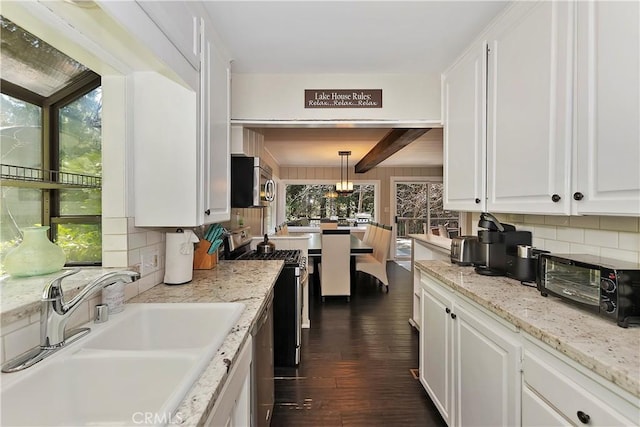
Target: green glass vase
x,y
36,254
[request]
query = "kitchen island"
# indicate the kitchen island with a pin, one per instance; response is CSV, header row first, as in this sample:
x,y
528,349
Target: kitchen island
x,y
556,359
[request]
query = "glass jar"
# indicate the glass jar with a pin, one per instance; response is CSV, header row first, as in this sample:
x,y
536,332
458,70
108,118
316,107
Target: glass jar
x,y
36,255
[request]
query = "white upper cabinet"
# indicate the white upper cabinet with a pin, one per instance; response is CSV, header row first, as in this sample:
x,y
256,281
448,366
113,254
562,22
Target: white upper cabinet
x,y
529,110
166,153
181,140
608,109
215,131
179,23
463,91
166,29
246,142
561,108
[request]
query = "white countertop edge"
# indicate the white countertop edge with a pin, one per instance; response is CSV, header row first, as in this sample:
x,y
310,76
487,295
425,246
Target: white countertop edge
x,y
437,241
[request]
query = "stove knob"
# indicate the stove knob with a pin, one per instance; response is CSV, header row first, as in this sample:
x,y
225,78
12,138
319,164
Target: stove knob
x,y
607,306
607,285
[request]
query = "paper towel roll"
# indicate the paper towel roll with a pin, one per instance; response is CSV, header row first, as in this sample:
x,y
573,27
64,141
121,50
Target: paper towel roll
x,y
113,296
179,257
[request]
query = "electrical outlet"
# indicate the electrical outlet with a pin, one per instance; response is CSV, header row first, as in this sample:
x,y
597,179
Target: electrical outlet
x,y
149,261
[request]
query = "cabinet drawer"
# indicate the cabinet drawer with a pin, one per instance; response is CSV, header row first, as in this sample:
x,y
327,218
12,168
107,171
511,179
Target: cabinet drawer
x,y
573,394
536,412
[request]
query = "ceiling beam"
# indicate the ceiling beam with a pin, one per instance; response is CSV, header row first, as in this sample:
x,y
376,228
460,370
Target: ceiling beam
x,y
394,141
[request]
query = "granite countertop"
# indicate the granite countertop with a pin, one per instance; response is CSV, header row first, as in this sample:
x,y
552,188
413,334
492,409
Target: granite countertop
x,y
596,343
439,241
248,282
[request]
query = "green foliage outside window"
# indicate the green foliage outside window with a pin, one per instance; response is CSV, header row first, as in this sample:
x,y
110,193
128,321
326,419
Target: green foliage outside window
x,y
80,151
311,202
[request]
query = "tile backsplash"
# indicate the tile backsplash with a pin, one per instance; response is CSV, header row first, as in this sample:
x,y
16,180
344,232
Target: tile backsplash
x,y
611,237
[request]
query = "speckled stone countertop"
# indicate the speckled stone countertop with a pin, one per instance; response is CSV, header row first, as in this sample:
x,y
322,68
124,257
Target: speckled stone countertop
x,y
596,343
248,282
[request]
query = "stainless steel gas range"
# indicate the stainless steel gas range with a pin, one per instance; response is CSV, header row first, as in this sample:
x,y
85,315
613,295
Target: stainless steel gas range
x,y
287,304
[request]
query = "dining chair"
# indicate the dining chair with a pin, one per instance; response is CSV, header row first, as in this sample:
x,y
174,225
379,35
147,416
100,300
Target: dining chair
x,y
367,231
372,235
335,261
376,264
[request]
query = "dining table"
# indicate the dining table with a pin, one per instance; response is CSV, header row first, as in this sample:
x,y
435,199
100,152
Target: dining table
x,y
358,247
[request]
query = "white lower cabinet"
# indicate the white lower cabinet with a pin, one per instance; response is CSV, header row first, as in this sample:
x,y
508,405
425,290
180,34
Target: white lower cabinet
x,y
480,370
469,362
537,413
436,347
557,392
233,407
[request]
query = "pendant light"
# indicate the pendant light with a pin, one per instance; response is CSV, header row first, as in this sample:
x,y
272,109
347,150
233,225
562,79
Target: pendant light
x,y
344,187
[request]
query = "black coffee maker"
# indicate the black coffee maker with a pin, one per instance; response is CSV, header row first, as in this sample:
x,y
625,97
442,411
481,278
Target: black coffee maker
x,y
496,242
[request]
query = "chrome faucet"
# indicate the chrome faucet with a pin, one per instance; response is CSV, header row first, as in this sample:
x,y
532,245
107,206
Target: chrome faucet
x,y
55,314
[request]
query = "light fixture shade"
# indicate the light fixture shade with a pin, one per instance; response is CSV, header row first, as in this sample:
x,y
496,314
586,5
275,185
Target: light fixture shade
x,y
344,187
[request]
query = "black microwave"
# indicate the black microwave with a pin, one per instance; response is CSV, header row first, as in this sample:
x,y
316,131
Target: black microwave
x,y
251,183
608,287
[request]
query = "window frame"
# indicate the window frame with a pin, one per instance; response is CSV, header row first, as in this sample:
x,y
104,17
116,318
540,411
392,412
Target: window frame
x,y
50,209
282,200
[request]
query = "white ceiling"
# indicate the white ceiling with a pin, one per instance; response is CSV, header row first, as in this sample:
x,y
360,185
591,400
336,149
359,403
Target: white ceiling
x,y
320,146
365,37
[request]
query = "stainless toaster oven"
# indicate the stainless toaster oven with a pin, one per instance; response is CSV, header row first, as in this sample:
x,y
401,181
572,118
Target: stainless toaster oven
x,y
608,287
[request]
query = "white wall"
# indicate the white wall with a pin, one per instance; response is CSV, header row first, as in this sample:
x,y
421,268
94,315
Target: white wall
x,y
410,97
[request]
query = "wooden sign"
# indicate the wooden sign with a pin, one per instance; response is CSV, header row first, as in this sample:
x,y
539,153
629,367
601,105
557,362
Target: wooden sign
x,y
343,98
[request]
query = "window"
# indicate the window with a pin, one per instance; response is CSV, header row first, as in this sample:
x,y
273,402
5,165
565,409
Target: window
x,y
76,221
306,204
50,146
420,207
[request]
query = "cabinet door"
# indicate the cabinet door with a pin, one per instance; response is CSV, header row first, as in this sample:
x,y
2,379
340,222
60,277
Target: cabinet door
x,y
608,107
232,407
487,358
436,360
179,23
463,90
215,132
529,110
166,148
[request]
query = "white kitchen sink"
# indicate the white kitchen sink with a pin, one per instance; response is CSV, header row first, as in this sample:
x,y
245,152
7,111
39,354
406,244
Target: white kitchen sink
x,y
136,368
167,326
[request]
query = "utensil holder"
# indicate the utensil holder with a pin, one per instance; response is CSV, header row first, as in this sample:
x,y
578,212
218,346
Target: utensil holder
x,y
201,259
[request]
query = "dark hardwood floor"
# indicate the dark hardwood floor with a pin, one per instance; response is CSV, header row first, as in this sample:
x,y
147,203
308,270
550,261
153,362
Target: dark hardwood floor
x,y
356,361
